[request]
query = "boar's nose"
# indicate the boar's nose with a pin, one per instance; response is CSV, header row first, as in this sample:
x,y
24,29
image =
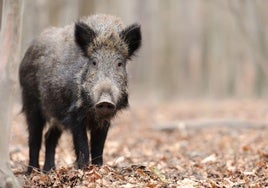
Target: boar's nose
x,y
105,106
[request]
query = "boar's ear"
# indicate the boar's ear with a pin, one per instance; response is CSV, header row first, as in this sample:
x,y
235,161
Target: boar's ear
x,y
132,37
84,35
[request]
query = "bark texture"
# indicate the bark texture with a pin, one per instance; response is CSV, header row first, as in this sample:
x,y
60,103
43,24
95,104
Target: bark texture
x,y
9,57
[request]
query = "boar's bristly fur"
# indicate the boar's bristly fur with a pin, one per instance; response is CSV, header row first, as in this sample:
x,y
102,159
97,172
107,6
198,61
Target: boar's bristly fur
x,y
75,78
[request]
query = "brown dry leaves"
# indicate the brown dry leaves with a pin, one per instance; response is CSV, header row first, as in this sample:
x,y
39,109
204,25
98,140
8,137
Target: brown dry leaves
x,y
92,176
140,154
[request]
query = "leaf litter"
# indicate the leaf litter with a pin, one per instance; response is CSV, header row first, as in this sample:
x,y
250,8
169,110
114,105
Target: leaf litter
x,y
144,149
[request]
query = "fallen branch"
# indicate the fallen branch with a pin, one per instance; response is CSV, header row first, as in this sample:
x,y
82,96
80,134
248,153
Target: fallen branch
x,y
210,123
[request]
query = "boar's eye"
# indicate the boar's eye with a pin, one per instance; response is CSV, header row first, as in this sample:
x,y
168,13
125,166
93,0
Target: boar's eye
x,y
119,64
94,63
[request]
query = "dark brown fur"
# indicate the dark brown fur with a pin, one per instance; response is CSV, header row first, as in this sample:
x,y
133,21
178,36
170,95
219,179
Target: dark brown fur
x,y
64,75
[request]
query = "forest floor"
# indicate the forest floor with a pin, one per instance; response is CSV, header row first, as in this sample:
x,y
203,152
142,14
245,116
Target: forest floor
x,y
176,144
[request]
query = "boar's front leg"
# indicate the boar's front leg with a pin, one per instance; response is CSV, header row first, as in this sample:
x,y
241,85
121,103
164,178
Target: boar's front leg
x,y
52,136
80,140
97,140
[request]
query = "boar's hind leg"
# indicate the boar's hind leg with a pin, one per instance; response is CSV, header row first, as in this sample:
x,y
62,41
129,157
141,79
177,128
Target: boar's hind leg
x,y
52,136
80,141
98,136
36,124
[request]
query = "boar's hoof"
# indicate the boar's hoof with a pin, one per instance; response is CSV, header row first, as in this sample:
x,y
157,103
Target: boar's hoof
x,y
31,169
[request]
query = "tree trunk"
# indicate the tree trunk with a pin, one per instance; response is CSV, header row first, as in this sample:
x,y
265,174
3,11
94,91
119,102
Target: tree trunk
x,y
9,57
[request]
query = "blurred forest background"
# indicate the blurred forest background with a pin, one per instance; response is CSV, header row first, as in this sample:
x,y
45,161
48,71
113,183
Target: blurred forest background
x,y
191,48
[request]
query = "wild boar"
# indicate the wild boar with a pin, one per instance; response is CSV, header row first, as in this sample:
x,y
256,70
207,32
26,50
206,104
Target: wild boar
x,y
75,78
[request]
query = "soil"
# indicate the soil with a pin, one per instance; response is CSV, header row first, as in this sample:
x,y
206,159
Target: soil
x,y
172,144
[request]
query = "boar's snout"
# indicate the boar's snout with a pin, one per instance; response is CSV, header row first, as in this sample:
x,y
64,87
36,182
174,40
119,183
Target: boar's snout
x,y
105,107
105,95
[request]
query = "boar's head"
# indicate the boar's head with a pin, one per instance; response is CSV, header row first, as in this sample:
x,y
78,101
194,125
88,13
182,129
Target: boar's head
x,y
105,80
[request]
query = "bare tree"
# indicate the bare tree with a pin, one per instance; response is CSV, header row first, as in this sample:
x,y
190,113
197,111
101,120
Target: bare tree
x,y
9,56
